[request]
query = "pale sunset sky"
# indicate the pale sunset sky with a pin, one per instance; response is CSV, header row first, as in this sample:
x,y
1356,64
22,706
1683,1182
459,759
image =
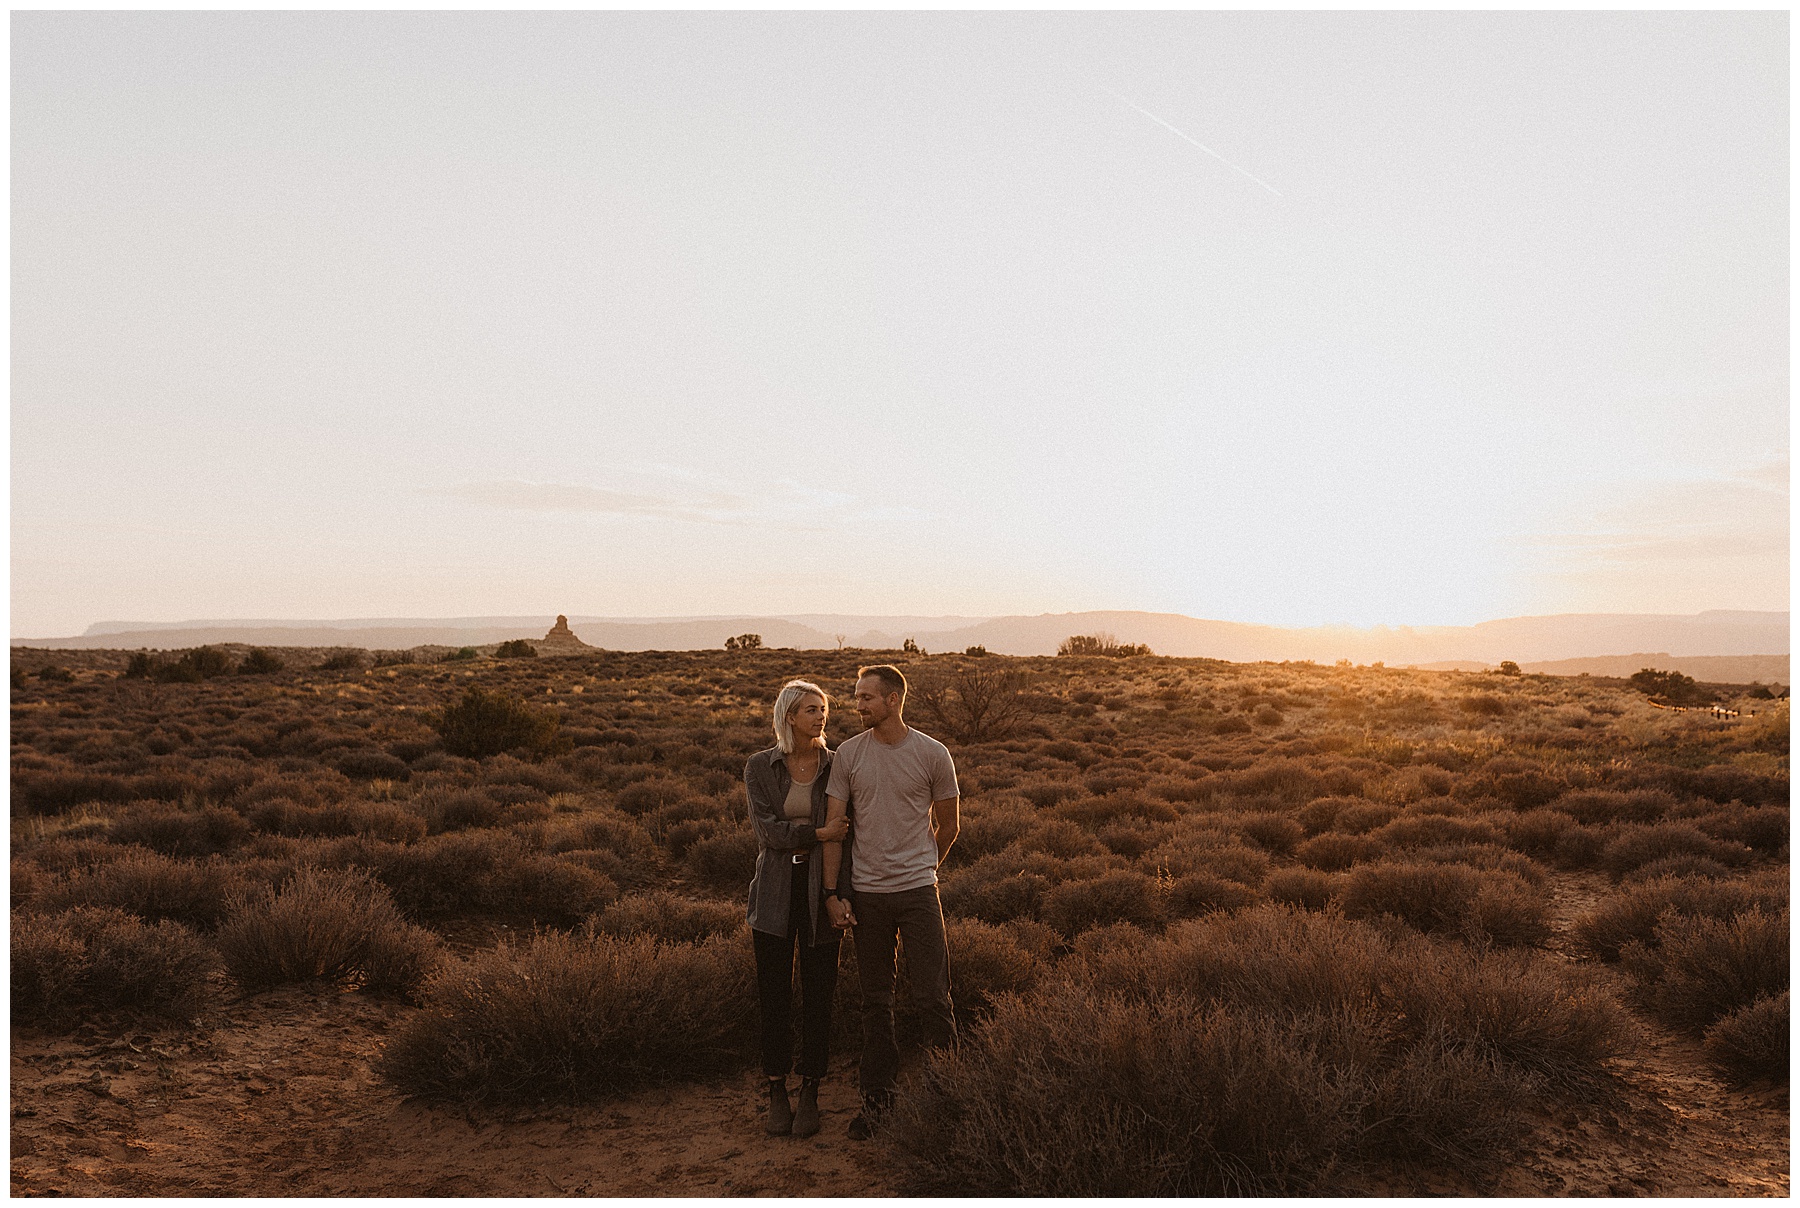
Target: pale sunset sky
x,y
1294,318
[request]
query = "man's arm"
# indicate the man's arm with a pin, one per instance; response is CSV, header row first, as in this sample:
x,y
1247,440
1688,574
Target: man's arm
x,y
944,825
833,857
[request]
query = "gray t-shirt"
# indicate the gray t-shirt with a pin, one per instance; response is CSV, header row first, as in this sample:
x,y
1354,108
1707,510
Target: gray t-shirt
x,y
890,790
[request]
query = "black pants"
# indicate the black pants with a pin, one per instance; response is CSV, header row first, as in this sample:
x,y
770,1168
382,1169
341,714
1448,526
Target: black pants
x,y
775,990
913,921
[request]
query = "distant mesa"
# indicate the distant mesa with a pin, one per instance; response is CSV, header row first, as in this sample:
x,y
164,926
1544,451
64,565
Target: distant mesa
x,y
561,639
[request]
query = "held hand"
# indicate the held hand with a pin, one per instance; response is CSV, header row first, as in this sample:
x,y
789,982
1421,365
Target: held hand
x,y
841,914
834,831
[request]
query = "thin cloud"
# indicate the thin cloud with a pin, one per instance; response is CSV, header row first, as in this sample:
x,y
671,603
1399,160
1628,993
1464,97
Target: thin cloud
x,y
1691,521
568,497
1188,138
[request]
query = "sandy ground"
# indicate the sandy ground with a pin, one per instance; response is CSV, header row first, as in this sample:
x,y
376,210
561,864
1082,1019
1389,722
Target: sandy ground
x,y
275,1096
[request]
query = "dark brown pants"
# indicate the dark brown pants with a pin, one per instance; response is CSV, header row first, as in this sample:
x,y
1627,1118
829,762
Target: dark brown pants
x,y
914,918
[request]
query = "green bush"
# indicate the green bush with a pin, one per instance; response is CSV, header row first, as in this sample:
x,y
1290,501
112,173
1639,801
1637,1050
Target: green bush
x,y
518,648
68,966
487,722
577,1018
324,925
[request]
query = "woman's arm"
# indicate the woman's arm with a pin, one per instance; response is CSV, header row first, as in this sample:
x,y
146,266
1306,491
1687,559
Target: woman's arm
x,y
837,821
772,830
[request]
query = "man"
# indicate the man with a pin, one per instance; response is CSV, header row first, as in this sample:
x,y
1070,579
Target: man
x,y
899,788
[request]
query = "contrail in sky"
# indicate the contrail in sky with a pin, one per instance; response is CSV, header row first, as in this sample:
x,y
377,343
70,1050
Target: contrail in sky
x,y
1186,138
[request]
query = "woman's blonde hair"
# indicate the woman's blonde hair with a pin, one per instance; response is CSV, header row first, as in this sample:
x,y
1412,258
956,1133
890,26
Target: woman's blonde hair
x,y
790,696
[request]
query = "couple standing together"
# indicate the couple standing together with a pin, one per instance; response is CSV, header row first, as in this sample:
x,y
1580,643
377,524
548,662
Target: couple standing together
x,y
848,841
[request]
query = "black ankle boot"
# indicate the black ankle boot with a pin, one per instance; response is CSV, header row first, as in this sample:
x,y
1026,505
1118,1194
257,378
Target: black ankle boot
x,y
781,1113
806,1117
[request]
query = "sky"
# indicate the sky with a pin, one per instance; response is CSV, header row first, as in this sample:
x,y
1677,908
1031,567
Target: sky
x,y
1289,318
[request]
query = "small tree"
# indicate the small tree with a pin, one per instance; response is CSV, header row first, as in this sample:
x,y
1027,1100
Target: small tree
x,y
1672,686
975,651
486,723
1508,667
744,641
983,703
1103,644
260,662
461,654
518,648
910,647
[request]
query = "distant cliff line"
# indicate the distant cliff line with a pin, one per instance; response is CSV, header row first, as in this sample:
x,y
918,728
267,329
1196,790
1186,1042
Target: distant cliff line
x,y
1523,640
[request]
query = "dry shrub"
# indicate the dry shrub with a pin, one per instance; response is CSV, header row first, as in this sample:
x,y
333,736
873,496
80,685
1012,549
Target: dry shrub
x,y
377,819
1484,856
1248,1054
1435,830
725,861
993,825
324,925
447,810
1536,832
177,832
153,887
492,872
1118,896
1274,833
1202,893
1130,838
67,966
654,793
1634,845
608,842
1547,1020
1217,854
1598,807
576,1017
1764,829
1632,914
1332,852
1064,840
1304,887
1066,1093
65,854
985,962
1092,813
1678,866
1361,817
1752,1041
1320,814
1448,899
1701,969
49,792
669,917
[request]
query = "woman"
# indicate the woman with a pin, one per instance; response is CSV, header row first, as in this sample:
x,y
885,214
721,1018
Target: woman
x,y
786,787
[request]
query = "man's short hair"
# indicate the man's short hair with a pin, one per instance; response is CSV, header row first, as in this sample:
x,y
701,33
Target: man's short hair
x,y
890,677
